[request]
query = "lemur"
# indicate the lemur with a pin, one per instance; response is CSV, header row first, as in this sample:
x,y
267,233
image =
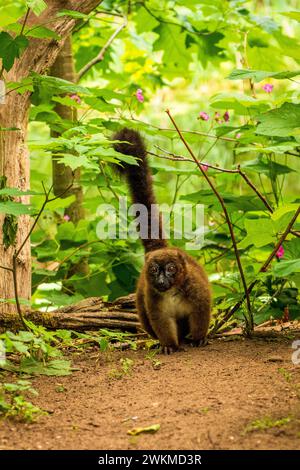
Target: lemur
x,y
173,295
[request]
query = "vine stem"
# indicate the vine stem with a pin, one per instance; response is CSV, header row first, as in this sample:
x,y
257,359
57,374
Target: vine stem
x,y
221,200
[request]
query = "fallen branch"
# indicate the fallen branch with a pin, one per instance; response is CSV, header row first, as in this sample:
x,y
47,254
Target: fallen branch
x,y
89,314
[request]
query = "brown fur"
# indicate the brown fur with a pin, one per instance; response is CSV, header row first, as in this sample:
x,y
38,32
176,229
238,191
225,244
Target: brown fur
x,y
184,307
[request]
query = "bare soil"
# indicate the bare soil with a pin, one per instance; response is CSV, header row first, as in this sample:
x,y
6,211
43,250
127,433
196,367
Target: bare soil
x,y
203,398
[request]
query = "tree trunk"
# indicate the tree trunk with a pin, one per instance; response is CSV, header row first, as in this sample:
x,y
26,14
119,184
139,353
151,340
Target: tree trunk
x,y
14,157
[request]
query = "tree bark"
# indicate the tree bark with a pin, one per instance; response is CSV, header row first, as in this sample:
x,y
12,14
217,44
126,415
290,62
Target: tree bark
x,y
14,157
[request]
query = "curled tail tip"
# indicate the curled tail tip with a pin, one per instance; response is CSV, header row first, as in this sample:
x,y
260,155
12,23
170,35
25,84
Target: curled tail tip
x,y
133,144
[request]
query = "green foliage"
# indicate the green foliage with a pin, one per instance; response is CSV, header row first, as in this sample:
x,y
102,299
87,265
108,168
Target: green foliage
x,y
14,405
267,423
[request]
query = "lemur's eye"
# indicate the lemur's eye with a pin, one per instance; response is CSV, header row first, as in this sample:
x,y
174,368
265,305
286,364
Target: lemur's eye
x,y
171,268
153,269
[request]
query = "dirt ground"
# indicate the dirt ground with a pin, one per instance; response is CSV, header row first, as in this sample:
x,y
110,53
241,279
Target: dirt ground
x,y
203,398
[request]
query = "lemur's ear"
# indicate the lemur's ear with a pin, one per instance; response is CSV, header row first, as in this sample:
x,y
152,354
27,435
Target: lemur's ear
x,y
181,258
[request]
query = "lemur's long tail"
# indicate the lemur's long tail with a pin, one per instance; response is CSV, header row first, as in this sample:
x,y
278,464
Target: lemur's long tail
x,y
139,179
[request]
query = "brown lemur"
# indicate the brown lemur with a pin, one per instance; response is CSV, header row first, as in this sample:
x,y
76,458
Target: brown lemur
x,y
173,294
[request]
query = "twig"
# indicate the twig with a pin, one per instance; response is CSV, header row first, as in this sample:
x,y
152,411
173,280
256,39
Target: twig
x,y
99,57
47,200
173,23
25,21
19,310
107,181
294,232
219,197
262,269
167,129
6,268
259,194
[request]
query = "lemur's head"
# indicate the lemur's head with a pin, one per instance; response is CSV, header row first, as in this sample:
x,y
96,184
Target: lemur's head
x,y
165,268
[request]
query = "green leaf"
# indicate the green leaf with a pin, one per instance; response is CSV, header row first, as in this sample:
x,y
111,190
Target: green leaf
x,y
285,268
57,367
11,48
260,232
79,161
58,85
42,32
15,208
73,14
266,166
14,192
294,15
238,102
172,41
259,75
37,6
232,201
280,122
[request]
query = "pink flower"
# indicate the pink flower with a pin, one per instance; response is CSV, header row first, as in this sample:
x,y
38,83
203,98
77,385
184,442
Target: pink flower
x,y
280,252
76,98
67,218
226,116
139,95
204,166
268,88
204,116
217,116
238,135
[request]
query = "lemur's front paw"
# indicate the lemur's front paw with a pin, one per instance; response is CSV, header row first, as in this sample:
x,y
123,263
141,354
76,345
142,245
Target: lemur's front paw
x,y
200,342
169,349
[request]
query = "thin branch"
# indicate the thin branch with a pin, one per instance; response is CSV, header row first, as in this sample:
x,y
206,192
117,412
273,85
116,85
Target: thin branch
x,y
107,181
25,21
6,268
204,134
60,263
19,310
99,57
173,23
219,197
259,194
296,233
46,201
